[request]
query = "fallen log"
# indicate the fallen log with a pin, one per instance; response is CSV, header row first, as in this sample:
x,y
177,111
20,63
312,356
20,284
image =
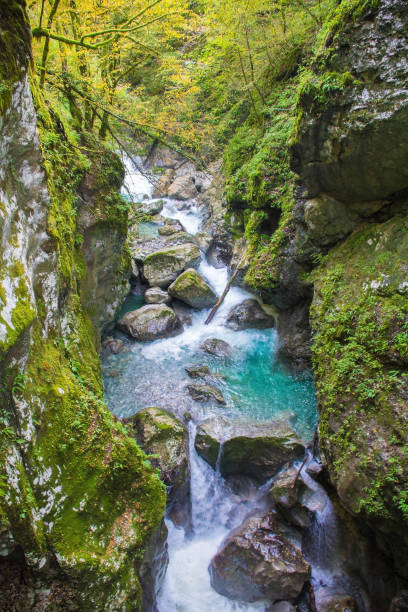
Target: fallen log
x,y
222,298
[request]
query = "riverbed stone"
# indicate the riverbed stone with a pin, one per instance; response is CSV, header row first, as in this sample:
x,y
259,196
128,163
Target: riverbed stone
x,y
163,267
335,602
182,188
163,184
171,227
287,492
198,371
159,433
150,207
150,322
250,449
206,393
113,345
216,347
155,295
191,288
249,315
259,561
184,312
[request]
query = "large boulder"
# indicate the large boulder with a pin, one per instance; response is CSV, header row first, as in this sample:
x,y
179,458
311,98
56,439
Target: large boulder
x,y
249,315
255,450
163,184
295,498
206,393
165,438
150,322
216,347
155,295
259,561
183,188
113,345
171,227
163,267
143,246
150,207
191,288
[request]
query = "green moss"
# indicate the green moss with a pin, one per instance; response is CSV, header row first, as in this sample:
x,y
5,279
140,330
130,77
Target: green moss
x,y
344,13
105,497
360,320
15,48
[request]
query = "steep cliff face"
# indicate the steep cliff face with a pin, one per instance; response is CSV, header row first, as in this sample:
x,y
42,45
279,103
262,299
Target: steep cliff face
x,y
78,500
336,266
351,153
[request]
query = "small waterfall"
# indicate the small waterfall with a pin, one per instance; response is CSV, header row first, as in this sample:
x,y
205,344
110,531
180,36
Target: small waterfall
x,y
153,374
215,511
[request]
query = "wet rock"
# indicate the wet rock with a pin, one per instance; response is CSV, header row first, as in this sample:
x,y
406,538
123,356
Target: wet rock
x,y
199,371
113,373
191,288
249,315
282,606
134,274
159,433
287,491
184,312
217,347
335,602
162,268
169,229
399,602
255,450
150,207
182,188
314,469
113,345
259,561
150,322
204,241
153,568
163,184
155,295
206,393
141,248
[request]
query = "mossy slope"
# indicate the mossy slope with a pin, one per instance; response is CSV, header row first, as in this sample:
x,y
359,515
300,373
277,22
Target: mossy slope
x,y
78,498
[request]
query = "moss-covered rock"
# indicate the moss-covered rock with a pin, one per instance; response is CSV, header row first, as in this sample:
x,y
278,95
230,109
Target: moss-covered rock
x,y
191,288
165,439
255,450
249,315
360,319
206,393
150,322
163,267
216,347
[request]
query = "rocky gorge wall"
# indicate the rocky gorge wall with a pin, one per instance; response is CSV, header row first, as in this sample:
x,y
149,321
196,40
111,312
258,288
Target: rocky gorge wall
x,y
337,267
78,499
351,152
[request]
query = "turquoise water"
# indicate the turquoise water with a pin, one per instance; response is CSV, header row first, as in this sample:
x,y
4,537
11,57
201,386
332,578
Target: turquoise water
x,y
148,230
132,302
255,388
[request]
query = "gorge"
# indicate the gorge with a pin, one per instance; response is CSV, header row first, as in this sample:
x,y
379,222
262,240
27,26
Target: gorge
x,y
151,461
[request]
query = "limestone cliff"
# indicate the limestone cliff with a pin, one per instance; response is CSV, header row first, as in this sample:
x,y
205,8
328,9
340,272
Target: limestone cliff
x,y
351,153
78,500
